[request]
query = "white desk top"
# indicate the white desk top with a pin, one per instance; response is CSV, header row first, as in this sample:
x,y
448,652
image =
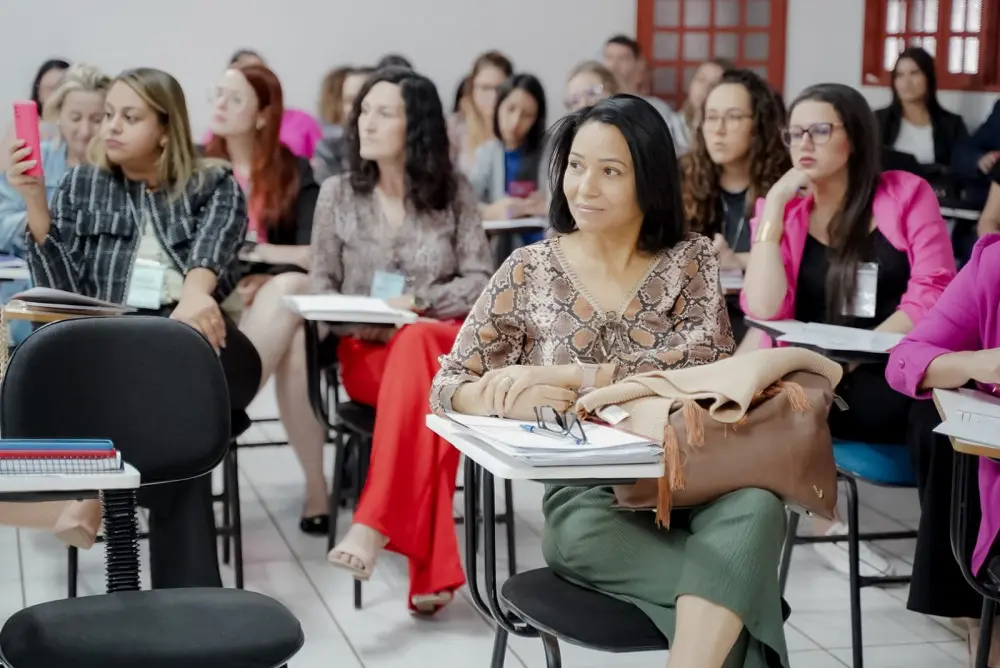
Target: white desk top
x,y
962,214
509,468
15,273
98,482
515,224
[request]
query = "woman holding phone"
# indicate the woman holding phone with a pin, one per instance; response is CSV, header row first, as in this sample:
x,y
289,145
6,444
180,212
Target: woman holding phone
x,y
148,205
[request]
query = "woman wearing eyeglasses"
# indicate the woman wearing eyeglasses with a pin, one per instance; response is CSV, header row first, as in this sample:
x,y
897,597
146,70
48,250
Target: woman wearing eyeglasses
x,y
589,83
838,241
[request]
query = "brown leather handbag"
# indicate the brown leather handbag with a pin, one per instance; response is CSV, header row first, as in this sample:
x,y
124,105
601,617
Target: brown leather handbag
x,y
780,442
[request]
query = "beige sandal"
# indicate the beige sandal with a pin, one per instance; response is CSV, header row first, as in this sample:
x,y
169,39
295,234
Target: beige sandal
x,y
428,604
341,558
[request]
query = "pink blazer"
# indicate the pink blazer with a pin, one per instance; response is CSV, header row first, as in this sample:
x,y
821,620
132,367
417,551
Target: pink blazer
x,y
967,317
907,213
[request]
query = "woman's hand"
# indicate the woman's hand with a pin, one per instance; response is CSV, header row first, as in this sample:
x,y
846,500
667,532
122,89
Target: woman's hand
x,y
727,257
201,311
983,366
501,388
788,187
988,161
374,334
31,188
249,285
404,303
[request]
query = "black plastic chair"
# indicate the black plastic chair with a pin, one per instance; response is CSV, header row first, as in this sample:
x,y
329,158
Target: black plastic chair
x,y
155,388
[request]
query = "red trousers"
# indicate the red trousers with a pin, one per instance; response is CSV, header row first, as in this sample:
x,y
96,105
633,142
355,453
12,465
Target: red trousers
x,y
411,477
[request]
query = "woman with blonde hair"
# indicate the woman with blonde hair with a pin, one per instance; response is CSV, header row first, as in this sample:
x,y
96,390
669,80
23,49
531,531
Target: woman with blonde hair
x,y
151,225
587,84
472,126
331,97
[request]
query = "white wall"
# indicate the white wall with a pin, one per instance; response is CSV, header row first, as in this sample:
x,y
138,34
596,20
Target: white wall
x,y
302,39
825,44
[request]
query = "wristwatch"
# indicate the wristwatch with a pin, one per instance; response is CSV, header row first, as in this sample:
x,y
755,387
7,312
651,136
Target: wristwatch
x,y
589,378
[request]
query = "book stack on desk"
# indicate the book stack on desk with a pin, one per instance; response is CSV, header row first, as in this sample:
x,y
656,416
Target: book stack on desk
x,y
58,457
518,439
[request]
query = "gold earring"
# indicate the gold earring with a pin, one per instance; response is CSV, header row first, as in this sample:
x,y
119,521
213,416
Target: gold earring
x,y
260,123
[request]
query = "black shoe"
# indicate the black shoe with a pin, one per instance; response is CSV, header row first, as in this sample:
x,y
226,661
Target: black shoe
x,y
317,525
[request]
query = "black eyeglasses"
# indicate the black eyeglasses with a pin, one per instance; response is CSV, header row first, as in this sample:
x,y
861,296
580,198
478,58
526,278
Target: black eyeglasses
x,y
819,133
551,421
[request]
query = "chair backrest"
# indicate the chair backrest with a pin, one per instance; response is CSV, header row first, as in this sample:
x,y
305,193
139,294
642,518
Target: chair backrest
x,y
153,386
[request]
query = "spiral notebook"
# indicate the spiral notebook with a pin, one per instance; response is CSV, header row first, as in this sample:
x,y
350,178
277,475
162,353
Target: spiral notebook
x,y
58,457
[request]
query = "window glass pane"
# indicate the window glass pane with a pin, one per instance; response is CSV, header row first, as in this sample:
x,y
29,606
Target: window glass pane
x,y
696,13
930,45
971,65
955,47
892,49
974,16
665,46
727,45
667,14
695,46
755,46
665,81
916,15
930,22
957,15
727,13
759,12
761,71
895,16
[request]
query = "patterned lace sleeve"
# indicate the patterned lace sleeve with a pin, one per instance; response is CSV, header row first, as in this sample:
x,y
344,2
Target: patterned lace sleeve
x,y
492,337
700,331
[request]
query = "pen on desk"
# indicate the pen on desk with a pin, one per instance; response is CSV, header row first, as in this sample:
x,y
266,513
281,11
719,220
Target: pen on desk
x,y
551,434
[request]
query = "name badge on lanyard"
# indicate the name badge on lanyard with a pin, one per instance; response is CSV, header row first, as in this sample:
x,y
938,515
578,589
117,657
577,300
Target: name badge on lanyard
x,y
387,285
145,290
865,292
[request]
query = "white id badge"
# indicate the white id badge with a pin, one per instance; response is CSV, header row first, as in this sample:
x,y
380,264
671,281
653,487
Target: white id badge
x,y
865,292
146,288
387,285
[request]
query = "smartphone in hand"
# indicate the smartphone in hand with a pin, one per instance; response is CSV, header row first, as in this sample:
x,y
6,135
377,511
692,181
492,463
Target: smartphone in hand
x,y
26,129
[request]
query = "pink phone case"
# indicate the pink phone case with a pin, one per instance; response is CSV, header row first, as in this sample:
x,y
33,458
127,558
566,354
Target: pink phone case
x,y
26,129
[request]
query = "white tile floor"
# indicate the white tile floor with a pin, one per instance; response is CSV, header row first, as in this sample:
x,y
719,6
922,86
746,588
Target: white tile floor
x,y
285,564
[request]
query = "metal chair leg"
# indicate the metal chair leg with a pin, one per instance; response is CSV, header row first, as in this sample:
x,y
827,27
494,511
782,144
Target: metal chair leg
x,y
72,570
227,517
236,532
985,637
341,445
791,534
357,594
499,648
853,548
553,658
508,488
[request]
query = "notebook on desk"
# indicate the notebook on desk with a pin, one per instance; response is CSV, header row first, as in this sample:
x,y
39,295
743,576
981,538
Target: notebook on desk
x,y
58,456
60,301
515,224
969,415
604,445
349,308
828,337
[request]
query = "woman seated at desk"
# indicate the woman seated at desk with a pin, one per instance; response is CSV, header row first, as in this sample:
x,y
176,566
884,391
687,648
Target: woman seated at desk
x,y
404,226
735,158
862,249
625,289
148,205
957,342
279,187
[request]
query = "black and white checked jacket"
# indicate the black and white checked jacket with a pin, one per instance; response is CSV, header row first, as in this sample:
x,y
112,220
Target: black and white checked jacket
x,y
96,226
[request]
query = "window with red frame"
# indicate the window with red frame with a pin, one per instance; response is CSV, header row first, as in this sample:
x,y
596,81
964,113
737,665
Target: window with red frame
x,y
960,34
678,35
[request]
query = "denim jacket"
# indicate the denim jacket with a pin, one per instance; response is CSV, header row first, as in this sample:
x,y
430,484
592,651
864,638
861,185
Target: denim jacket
x,y
13,211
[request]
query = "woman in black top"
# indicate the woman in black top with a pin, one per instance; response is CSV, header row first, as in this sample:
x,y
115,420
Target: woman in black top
x,y
915,122
736,156
148,208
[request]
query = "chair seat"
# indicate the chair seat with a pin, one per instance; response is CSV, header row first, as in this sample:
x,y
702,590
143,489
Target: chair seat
x,y
239,422
358,418
580,616
881,464
167,628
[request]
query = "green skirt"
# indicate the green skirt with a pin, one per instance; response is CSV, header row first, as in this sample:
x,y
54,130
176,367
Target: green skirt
x,y
726,552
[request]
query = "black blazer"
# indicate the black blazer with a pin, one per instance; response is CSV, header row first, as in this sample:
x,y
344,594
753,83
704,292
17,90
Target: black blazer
x,y
949,131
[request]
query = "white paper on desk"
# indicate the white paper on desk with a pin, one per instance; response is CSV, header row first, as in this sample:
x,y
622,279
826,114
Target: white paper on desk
x,y
977,433
731,280
348,308
515,224
835,337
784,326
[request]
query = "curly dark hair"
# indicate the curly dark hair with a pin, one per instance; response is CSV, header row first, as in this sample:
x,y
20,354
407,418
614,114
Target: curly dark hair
x,y
768,157
431,184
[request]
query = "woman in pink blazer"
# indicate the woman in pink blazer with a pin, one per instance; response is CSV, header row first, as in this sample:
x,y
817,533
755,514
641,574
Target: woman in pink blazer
x,y
838,241
958,342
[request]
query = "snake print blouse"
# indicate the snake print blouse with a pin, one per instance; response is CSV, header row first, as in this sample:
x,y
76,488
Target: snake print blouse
x,y
536,311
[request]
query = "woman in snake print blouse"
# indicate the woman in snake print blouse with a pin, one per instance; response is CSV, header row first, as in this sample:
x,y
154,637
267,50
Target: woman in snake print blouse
x,y
624,289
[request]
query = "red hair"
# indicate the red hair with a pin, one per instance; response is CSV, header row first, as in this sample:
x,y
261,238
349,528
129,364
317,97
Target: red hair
x,y
274,170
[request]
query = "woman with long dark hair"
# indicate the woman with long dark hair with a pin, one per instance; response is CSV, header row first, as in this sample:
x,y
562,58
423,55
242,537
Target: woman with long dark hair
x,y
915,122
624,261
736,156
838,241
403,226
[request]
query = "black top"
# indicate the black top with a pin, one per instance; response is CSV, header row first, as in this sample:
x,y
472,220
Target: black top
x,y
810,293
949,131
735,223
296,230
